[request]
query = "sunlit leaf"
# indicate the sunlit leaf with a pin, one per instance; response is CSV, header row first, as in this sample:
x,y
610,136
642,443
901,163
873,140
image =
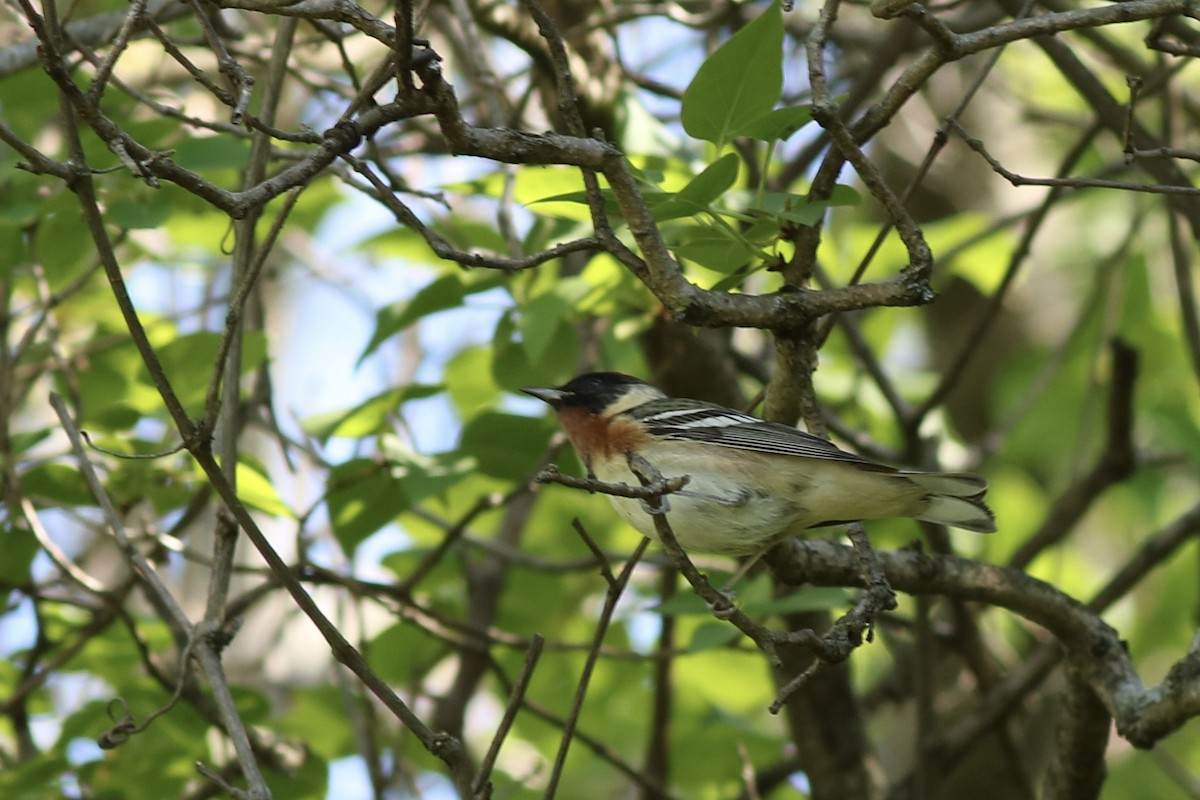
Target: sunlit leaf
x,y
369,417
469,380
256,490
444,293
423,476
362,497
741,81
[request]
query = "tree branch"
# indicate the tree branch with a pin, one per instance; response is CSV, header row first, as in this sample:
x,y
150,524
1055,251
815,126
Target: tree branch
x,y
1094,649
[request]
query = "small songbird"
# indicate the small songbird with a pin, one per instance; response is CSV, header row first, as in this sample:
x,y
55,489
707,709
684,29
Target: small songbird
x,y
752,482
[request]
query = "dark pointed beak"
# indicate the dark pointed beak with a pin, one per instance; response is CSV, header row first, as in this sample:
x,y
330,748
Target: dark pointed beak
x,y
551,396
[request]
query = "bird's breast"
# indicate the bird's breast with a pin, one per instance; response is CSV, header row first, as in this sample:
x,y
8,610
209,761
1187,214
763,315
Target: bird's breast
x,y
600,439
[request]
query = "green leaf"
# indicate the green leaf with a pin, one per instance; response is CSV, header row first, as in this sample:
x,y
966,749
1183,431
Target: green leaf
x,y
153,765
539,320
256,490
18,213
640,131
403,243
763,231
469,381
547,231
362,497
448,291
778,124
157,133
168,483
711,183
526,185
211,152
505,445
114,389
23,440
14,250
35,779
511,367
806,215
317,715
368,418
982,248
843,195
792,207
713,246
56,484
421,476
19,548
684,604
714,181
131,213
187,362
712,635
778,202
466,233
741,81
61,245
580,198
404,649
812,598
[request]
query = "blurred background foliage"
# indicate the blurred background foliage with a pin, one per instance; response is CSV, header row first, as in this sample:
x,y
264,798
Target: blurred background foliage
x,y
380,418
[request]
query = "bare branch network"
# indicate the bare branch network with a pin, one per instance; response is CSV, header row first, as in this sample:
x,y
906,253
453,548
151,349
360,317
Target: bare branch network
x,y
388,106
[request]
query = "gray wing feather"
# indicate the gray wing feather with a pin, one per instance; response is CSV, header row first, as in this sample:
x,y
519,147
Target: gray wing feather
x,y
724,427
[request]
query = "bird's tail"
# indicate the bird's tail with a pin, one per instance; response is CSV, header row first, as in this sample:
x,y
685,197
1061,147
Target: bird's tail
x,y
955,499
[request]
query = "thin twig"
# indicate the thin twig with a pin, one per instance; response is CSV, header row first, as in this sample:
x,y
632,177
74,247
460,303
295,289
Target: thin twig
x,y
655,489
601,559
132,21
516,697
157,591
1067,183
237,307
610,604
56,554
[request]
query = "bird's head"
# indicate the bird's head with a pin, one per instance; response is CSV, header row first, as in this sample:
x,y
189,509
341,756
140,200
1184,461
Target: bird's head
x,y
603,394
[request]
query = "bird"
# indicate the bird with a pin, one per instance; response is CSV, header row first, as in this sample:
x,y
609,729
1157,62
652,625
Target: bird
x,y
751,483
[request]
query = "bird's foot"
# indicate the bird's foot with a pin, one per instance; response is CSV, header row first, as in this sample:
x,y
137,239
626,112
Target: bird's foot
x,y
656,509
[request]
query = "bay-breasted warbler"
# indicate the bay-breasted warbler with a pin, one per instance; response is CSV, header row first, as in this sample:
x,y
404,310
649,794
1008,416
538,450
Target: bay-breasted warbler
x,y
752,482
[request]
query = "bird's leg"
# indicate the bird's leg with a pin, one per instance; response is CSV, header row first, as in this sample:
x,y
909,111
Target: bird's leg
x,y
662,507
742,569
662,504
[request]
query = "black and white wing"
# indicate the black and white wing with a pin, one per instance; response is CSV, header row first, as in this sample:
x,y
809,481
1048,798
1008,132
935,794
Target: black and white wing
x,y
692,420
